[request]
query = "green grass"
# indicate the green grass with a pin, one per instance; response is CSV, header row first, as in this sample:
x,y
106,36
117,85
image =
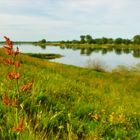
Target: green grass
x,y
71,103
45,56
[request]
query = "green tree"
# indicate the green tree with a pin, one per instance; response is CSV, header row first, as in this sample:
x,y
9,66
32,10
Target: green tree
x,y
126,41
43,41
118,41
82,39
75,41
88,39
98,41
110,41
136,39
104,40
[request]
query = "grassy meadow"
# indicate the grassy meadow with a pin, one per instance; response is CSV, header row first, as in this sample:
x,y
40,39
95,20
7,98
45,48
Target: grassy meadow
x,y
69,103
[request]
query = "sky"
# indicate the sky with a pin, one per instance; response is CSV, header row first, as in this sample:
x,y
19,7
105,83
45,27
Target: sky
x,y
53,20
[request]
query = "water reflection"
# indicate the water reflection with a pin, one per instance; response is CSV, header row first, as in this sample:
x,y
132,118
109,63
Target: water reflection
x,y
79,57
43,46
136,53
127,51
90,51
104,51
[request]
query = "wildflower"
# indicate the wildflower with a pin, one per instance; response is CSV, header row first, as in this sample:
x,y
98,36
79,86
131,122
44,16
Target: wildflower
x,y
26,87
16,75
8,50
8,61
104,121
10,76
95,117
111,117
9,47
8,42
17,64
13,75
121,118
16,52
19,127
6,100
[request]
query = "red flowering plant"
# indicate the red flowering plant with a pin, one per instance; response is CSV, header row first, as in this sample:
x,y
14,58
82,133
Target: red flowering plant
x,y
14,64
14,75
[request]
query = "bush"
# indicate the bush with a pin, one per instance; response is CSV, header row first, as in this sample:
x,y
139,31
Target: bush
x,y
96,65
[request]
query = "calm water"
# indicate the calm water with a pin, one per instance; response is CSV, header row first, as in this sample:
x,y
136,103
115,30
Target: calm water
x,y
80,57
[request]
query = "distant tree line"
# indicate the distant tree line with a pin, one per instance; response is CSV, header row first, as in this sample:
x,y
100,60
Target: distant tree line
x,y
43,41
90,40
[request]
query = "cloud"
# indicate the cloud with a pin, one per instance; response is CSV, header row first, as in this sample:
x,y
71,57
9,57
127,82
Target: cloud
x,y
67,19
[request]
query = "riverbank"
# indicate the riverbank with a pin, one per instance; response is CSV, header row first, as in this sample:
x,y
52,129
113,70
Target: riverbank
x,y
101,46
91,46
68,102
83,46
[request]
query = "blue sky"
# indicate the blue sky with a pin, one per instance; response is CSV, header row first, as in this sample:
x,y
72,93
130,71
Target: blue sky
x,y
68,19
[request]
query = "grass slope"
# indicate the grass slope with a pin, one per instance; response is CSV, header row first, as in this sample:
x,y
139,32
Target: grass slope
x,y
72,103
